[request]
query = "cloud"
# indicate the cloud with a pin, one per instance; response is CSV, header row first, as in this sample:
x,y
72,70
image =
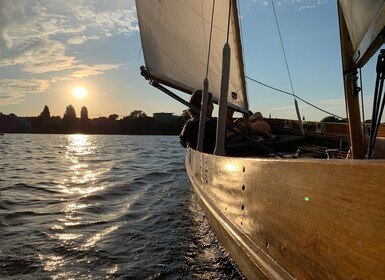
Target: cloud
x,y
37,35
12,91
115,22
282,108
42,56
77,40
80,39
297,5
332,102
94,70
306,7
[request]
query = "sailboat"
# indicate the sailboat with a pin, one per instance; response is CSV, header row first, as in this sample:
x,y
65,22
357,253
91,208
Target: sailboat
x,y
314,209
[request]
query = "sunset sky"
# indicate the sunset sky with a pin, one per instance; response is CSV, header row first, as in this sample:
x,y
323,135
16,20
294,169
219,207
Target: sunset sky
x,y
50,47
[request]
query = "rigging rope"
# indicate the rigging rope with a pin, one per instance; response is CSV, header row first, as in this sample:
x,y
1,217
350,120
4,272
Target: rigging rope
x,y
228,22
288,71
291,94
202,117
283,48
210,39
197,110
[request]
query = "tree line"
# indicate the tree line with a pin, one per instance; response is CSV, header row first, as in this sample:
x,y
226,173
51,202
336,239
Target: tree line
x,y
135,123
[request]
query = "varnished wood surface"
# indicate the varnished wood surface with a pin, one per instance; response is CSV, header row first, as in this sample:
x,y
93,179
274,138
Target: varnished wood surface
x,y
351,96
304,219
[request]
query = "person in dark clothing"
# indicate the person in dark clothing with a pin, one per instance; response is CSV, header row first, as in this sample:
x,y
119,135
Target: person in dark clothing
x,y
189,135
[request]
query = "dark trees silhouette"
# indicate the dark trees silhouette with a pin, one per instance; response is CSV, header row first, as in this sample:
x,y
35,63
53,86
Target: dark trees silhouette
x,y
137,114
333,119
70,113
43,122
84,113
69,122
113,117
85,125
45,115
10,123
137,122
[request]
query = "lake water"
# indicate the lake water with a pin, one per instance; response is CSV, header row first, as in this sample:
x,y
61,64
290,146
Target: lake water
x,y
102,207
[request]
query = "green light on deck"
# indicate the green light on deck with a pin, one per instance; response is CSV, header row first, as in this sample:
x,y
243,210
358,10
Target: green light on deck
x,y
307,199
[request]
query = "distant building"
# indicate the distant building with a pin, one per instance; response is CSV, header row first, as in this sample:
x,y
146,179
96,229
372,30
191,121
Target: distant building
x,y
163,116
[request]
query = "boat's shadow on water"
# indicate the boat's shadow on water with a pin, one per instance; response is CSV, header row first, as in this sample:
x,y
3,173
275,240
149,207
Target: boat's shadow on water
x,y
167,235
205,257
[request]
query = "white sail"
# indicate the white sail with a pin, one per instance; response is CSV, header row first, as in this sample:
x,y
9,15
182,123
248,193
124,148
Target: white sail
x,y
175,38
365,20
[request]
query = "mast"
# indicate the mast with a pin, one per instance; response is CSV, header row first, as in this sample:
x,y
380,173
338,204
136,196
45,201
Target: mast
x,y
357,148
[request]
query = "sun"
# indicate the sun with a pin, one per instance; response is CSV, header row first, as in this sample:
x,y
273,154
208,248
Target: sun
x,y
79,92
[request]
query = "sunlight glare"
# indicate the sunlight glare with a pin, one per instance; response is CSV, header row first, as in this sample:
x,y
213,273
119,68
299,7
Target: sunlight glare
x,y
230,167
79,92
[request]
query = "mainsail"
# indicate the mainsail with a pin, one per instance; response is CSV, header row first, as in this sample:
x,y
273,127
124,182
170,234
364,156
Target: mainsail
x,y
175,38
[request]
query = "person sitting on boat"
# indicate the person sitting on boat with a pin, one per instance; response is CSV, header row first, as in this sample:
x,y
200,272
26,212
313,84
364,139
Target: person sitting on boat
x,y
236,124
189,135
229,117
260,127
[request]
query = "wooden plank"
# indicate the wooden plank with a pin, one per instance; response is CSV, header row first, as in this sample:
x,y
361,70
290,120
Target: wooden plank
x,y
310,219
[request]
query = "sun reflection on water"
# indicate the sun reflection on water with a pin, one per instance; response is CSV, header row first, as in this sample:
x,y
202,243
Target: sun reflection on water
x,y
79,145
68,236
51,263
78,142
98,236
80,179
113,270
81,189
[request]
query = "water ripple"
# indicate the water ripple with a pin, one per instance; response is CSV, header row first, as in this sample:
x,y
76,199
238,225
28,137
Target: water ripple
x,y
102,206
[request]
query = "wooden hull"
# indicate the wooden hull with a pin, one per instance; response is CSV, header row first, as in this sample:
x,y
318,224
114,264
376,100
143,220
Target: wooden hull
x,y
295,218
